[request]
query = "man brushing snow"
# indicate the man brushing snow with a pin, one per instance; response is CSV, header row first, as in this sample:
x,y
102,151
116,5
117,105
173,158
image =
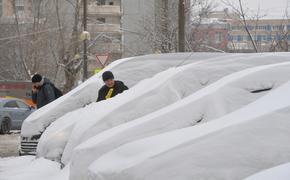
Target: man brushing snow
x,y
111,87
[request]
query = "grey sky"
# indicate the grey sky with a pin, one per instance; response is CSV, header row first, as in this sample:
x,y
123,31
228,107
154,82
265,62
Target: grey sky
x,y
273,8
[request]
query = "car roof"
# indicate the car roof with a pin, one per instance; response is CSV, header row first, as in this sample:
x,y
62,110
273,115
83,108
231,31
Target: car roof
x,y
3,100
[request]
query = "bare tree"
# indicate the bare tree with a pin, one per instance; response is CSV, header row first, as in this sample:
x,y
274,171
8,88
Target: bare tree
x,y
199,12
282,43
278,34
24,49
47,43
242,18
161,27
68,47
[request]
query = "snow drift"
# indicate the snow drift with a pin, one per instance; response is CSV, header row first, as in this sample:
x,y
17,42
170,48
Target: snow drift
x,y
27,168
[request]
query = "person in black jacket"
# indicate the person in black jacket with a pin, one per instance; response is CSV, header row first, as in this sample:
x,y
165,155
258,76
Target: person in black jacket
x,y
111,87
42,91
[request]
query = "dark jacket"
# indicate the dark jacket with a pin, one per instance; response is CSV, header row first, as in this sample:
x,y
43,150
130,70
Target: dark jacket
x,y
44,95
118,88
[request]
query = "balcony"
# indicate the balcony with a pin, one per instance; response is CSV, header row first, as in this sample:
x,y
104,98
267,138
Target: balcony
x,y
104,10
106,28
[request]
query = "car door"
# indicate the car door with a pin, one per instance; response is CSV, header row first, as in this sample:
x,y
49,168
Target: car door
x,y
24,111
11,108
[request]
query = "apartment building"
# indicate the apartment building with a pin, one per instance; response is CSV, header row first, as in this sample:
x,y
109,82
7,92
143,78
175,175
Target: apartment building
x,y
210,35
104,25
23,9
268,34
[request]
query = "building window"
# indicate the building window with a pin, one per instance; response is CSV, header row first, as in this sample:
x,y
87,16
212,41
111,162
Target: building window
x,y
277,28
218,37
278,38
19,5
263,38
193,36
263,28
0,8
111,3
101,20
206,37
250,27
101,2
273,38
239,38
237,27
234,38
19,2
20,8
230,38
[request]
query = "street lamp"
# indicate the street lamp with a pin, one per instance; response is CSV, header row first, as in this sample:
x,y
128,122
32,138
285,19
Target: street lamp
x,y
181,26
85,63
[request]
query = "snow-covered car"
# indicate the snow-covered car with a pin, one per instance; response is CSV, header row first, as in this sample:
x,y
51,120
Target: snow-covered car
x,y
129,70
12,114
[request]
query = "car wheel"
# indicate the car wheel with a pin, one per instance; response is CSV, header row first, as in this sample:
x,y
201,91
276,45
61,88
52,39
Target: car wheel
x,y
5,126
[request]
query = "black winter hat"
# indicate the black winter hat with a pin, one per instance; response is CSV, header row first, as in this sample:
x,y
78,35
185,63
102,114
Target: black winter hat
x,y
107,75
36,78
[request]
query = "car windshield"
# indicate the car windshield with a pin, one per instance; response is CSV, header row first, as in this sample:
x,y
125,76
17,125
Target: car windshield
x,y
11,104
22,105
2,103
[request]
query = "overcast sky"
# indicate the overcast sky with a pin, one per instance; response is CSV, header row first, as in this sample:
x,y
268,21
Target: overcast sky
x,y
273,8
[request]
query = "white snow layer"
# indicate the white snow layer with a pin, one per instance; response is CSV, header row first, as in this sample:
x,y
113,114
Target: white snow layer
x,y
231,147
27,168
216,100
281,172
198,116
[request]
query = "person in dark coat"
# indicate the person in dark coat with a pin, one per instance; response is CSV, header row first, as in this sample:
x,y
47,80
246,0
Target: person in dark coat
x,y
42,91
111,88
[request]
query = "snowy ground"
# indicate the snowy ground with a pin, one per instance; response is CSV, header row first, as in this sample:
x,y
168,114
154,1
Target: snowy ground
x,y
9,144
218,116
29,168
